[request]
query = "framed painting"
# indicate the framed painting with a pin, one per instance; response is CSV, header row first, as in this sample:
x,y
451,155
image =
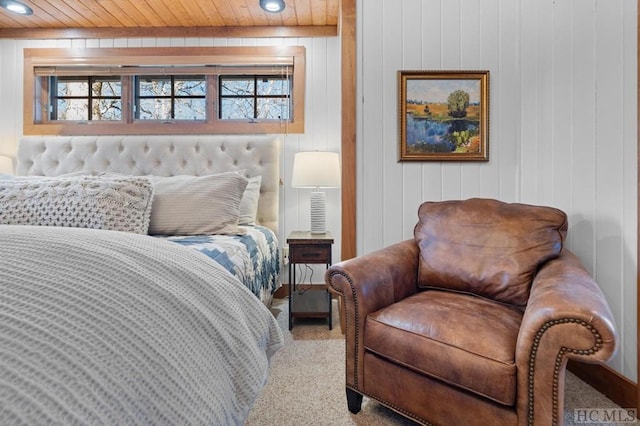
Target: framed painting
x,y
444,115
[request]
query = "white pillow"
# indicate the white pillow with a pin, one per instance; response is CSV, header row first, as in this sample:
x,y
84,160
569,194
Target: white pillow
x,y
197,205
249,202
112,203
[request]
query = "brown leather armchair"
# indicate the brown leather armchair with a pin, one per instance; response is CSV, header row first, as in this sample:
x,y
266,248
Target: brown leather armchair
x,y
472,321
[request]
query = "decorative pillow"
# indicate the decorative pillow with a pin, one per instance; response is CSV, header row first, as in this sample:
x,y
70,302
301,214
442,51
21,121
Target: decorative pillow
x,y
196,205
486,247
119,204
249,202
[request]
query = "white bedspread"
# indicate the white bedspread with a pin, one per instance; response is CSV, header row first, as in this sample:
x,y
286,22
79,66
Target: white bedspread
x,y
107,327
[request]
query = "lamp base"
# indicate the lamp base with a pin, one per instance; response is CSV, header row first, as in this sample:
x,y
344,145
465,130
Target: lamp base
x,y
318,213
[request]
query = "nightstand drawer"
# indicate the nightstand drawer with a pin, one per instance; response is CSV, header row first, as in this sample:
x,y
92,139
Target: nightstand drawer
x,y
310,253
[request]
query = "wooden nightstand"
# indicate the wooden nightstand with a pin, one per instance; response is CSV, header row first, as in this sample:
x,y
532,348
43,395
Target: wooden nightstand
x,y
304,248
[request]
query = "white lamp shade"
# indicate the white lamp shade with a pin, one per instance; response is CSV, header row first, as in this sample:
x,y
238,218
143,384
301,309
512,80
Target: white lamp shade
x,y
6,165
316,169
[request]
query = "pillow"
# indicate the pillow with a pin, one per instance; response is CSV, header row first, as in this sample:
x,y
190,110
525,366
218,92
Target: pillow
x,y
197,205
119,204
249,202
486,247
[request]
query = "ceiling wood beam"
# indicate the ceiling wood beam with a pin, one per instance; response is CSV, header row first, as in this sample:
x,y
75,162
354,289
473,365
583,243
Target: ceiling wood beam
x,y
128,32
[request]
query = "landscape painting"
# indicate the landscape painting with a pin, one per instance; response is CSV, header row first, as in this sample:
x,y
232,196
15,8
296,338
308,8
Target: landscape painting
x,y
444,115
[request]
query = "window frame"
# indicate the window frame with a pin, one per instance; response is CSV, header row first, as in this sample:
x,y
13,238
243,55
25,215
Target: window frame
x,y
89,97
172,97
255,96
112,61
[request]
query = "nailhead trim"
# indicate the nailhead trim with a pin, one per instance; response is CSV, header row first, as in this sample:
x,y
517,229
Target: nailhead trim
x,y
357,328
396,408
556,370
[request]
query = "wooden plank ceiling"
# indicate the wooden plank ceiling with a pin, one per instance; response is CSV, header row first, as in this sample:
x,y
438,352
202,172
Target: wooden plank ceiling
x,y
165,17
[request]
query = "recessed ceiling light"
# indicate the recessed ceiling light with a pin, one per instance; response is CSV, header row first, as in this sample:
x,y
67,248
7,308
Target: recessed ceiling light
x,y
16,7
272,6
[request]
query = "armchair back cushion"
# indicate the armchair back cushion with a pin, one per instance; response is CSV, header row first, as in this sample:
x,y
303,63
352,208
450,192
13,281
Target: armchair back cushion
x,y
486,247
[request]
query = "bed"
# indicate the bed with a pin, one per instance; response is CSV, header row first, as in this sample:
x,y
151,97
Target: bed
x,y
122,328
105,322
253,256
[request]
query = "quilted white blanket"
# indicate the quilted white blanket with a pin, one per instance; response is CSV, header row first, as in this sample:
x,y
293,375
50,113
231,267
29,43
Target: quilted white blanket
x,y
107,327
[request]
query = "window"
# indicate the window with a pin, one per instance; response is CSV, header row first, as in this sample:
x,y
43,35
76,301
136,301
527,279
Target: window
x,y
171,97
86,98
255,98
133,91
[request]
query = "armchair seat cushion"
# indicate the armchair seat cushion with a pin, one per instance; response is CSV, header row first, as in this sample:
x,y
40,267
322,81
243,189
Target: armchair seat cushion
x,y
463,340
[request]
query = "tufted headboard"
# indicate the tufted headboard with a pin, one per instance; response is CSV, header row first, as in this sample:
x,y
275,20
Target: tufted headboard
x,y
162,156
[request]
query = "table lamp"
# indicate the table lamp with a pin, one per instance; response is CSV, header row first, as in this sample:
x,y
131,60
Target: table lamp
x,y
316,169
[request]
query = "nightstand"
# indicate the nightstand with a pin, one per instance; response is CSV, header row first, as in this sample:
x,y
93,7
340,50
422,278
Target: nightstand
x,y
308,248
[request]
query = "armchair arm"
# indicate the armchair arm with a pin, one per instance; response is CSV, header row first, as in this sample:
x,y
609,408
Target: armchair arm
x,y
566,317
368,283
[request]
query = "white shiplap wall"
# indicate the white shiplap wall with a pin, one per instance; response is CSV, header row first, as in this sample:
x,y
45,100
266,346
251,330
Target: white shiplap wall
x,y
563,127
322,109
563,104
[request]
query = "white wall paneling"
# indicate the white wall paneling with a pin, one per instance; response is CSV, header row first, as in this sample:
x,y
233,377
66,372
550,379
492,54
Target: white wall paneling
x,y
412,58
562,124
563,130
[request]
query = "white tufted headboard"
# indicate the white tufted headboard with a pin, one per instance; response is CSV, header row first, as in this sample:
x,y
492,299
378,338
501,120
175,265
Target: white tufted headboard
x,y
162,156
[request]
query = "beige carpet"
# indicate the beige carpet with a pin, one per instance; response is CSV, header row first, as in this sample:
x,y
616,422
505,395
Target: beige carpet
x,y
306,382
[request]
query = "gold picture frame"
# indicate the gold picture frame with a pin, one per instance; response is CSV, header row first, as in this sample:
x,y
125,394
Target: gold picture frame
x,y
444,115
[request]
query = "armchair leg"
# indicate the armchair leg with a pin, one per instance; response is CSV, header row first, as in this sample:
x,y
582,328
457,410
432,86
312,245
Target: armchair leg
x,y
354,401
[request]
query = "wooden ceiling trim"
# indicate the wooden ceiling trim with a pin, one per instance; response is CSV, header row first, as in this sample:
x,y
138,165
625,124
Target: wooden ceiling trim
x,y
164,32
